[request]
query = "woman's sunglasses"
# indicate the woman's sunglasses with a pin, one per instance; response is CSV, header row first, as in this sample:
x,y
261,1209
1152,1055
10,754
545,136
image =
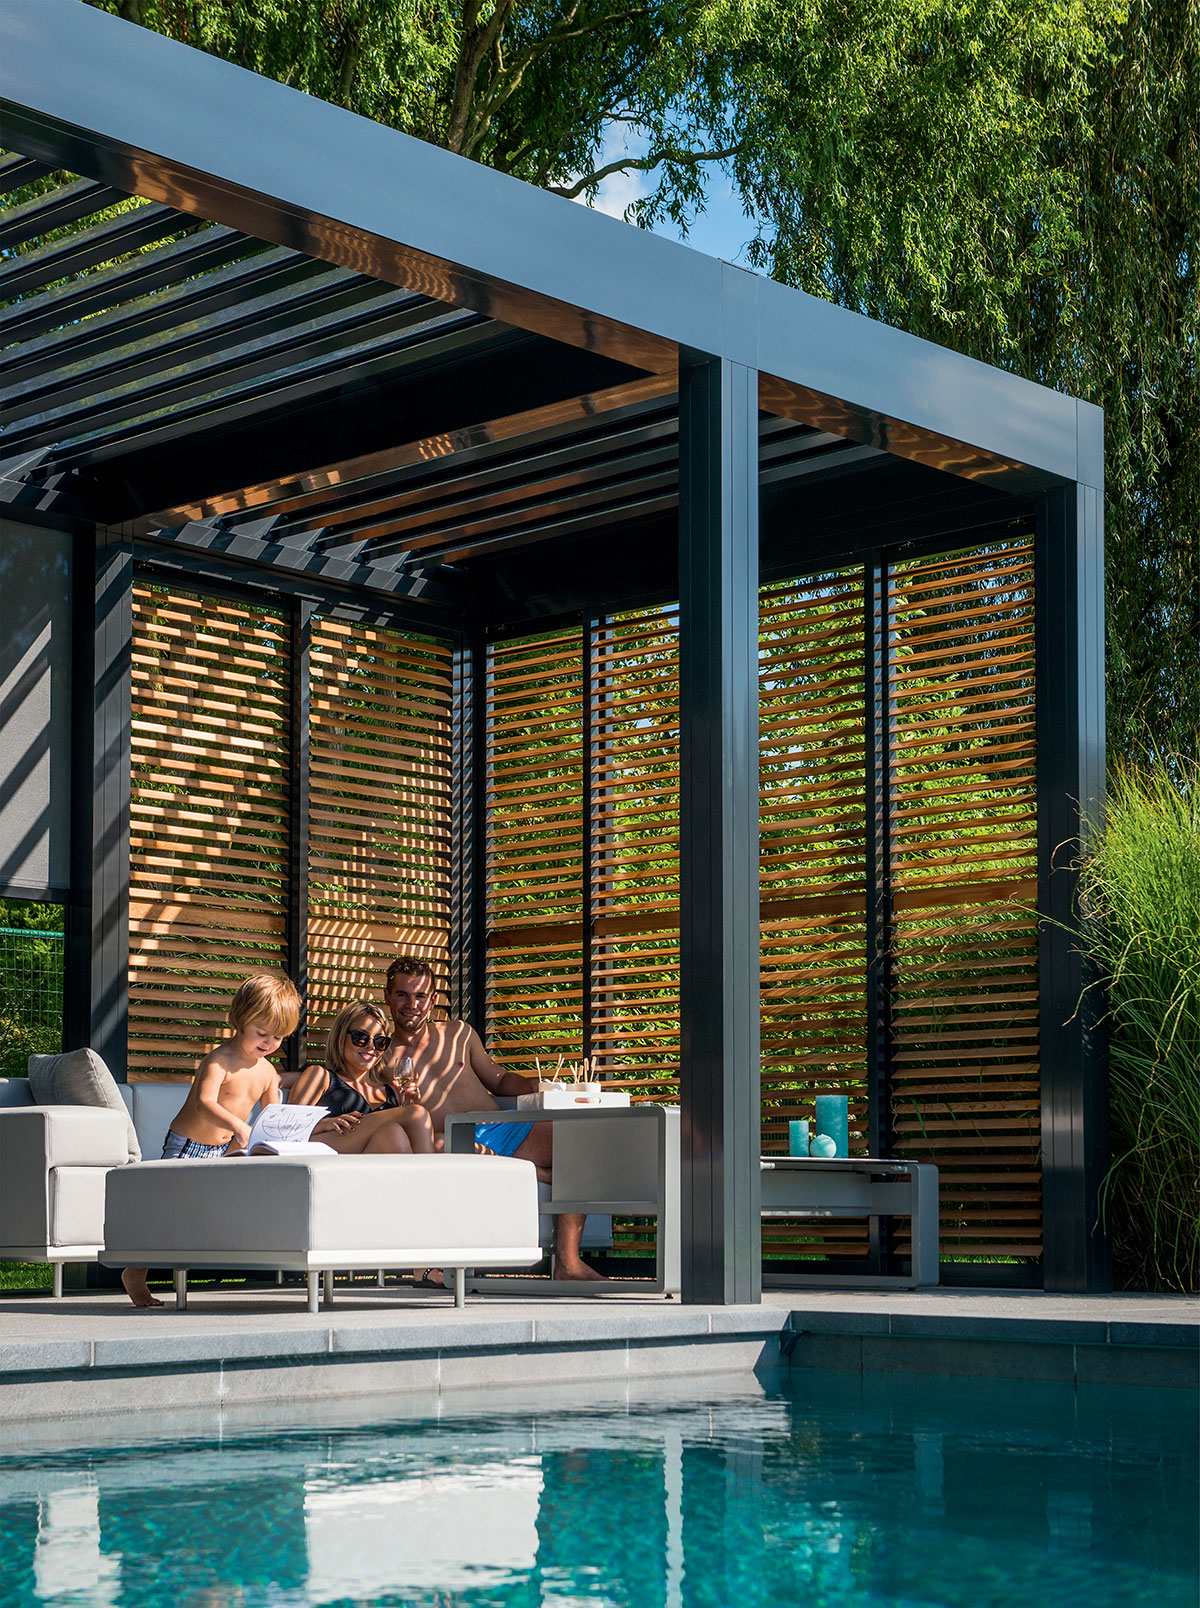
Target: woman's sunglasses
x,y
360,1038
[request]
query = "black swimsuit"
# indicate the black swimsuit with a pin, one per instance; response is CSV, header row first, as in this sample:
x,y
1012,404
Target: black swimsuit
x,y
341,1097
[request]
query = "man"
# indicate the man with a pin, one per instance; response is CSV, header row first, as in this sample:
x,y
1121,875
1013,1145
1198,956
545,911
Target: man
x,y
453,1072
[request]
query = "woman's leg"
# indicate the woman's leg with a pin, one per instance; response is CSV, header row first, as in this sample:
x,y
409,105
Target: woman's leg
x,y
375,1126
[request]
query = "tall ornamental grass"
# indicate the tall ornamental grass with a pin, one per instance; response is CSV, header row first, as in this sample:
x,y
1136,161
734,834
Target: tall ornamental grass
x,y
1141,892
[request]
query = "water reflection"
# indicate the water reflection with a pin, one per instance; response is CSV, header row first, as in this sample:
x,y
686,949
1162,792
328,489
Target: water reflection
x,y
818,1489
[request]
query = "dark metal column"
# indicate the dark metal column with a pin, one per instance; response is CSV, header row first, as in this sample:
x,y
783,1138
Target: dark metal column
x,y
468,833
879,789
298,823
1069,614
97,959
718,830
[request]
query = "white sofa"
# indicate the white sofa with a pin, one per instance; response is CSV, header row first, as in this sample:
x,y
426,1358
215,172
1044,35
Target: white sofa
x,y
53,1164
54,1161
312,1214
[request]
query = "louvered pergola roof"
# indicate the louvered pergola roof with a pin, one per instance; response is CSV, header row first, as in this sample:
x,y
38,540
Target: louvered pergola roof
x,y
318,340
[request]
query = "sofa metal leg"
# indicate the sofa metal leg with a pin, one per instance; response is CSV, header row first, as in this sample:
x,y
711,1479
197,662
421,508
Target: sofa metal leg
x,y
57,1270
379,1278
460,1286
312,1292
328,1277
181,1289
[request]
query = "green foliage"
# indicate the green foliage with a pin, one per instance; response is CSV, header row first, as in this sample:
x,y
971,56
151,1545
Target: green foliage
x,y
31,980
1019,179
1141,893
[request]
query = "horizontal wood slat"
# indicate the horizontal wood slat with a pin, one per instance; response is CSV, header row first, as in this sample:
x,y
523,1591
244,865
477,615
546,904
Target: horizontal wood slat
x,y
209,817
379,823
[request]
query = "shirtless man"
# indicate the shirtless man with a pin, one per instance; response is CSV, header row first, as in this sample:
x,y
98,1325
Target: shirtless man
x,y
454,1072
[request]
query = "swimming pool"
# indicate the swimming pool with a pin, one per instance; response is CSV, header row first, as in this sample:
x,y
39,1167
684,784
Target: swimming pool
x,y
813,1489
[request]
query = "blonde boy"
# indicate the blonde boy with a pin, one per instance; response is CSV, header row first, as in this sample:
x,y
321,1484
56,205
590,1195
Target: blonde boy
x,y
214,1120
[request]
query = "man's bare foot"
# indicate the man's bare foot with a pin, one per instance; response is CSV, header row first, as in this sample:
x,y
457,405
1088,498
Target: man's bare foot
x,y
134,1280
578,1270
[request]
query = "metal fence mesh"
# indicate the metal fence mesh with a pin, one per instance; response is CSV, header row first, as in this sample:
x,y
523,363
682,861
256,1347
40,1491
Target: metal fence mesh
x,y
31,996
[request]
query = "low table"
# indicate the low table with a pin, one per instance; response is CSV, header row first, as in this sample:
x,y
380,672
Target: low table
x,y
616,1161
858,1186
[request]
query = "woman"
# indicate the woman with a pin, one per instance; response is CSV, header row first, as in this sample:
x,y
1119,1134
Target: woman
x,y
351,1085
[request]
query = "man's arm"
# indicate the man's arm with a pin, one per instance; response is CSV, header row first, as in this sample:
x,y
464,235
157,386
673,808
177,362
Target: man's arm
x,y
491,1074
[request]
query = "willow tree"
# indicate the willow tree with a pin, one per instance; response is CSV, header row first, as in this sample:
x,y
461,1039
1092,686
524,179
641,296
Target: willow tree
x,y
1019,179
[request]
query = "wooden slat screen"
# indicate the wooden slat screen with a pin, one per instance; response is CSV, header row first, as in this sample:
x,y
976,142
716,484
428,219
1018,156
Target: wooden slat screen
x,y
379,811
812,873
965,1089
209,817
535,850
634,858
958,940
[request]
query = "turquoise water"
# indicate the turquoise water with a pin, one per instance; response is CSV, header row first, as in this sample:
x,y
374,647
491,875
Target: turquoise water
x,y
813,1490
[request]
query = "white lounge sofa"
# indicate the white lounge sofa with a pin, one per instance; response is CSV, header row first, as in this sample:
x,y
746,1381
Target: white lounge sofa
x,y
312,1214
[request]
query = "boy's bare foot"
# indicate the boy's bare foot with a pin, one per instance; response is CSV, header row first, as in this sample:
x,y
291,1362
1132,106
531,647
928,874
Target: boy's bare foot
x,y
578,1270
134,1280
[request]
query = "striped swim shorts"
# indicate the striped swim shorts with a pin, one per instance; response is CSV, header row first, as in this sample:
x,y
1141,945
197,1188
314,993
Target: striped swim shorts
x,y
177,1148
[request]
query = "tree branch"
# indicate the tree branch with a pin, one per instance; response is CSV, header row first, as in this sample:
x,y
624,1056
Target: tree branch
x,y
643,164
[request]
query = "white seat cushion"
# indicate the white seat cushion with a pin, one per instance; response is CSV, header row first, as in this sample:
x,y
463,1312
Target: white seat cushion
x,y
323,1211
77,1206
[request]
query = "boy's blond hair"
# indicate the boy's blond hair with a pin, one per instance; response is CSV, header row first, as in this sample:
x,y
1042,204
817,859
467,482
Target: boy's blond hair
x,y
267,998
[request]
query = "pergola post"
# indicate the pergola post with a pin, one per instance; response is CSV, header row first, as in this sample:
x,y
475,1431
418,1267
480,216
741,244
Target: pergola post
x,y
299,791
97,960
1069,611
468,832
718,830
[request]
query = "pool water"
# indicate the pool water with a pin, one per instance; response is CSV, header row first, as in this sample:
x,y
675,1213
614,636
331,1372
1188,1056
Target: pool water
x,y
811,1489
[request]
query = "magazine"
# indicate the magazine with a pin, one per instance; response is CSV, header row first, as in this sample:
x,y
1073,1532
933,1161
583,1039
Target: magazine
x,y
283,1130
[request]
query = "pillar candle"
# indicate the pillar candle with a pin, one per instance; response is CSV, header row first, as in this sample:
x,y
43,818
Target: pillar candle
x,y
833,1118
798,1138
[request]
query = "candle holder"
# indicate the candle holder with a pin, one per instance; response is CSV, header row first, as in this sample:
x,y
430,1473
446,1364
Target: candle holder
x,y
833,1118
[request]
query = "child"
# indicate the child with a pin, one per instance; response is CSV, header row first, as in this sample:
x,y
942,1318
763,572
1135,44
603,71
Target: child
x,y
215,1118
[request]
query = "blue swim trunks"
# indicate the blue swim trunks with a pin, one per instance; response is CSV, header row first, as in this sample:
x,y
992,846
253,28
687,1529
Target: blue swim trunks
x,y
177,1148
503,1137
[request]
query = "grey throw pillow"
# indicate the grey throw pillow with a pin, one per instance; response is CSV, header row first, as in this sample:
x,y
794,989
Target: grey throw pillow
x,y
79,1077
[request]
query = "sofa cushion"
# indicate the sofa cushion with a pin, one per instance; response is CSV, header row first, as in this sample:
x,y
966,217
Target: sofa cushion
x,y
79,1077
77,1206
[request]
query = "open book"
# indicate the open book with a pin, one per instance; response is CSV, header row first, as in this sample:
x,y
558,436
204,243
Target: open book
x,y
283,1130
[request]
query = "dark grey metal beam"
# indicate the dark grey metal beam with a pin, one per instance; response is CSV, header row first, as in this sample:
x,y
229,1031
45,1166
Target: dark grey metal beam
x,y
16,171
64,306
468,832
299,792
718,830
78,252
1069,647
442,604
77,86
97,994
55,210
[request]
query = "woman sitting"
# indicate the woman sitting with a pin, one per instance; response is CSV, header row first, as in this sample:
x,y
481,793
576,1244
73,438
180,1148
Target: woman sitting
x,y
352,1085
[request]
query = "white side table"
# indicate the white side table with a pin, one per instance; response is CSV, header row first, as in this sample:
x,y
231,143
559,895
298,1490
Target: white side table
x,y
811,1186
616,1162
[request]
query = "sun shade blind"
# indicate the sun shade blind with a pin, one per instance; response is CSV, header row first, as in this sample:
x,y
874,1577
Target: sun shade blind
x,y
535,793
209,816
634,852
379,811
965,1075
812,874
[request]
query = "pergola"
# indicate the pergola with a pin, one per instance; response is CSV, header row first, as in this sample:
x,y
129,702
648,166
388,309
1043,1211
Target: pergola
x,y
330,373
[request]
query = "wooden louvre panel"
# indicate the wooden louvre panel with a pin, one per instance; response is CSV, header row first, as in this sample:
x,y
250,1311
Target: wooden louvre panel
x,y
964,981
208,817
379,811
634,858
812,875
535,796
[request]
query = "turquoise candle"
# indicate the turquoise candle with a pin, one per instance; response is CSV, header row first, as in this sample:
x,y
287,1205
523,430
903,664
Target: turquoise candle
x,y
833,1118
798,1138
